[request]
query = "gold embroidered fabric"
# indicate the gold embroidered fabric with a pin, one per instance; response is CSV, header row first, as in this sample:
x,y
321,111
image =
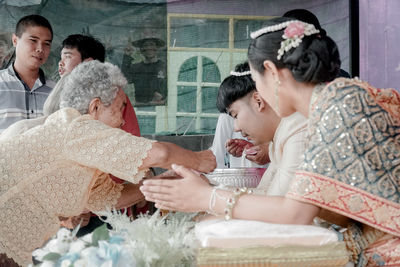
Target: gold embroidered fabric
x,y
351,163
331,255
48,171
352,160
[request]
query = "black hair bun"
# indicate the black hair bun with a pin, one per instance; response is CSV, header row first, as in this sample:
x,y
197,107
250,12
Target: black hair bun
x,y
315,60
242,67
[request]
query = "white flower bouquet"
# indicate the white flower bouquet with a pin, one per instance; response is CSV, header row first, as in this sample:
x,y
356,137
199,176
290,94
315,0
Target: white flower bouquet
x,y
146,241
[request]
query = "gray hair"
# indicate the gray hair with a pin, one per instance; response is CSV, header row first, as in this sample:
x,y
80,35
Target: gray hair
x,y
90,80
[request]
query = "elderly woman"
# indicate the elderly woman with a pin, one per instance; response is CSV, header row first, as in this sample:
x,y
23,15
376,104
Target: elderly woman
x,y
61,167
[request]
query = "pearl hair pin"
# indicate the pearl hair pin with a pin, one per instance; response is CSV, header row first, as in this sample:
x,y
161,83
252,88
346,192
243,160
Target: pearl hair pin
x,y
294,32
272,28
238,74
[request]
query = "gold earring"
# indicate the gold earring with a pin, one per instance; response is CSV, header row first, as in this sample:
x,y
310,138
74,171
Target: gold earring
x,y
276,91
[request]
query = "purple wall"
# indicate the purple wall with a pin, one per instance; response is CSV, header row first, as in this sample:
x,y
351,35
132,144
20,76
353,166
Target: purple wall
x,y
379,40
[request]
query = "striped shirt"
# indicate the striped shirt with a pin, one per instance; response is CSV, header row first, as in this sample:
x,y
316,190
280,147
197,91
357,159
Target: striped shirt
x,y
17,101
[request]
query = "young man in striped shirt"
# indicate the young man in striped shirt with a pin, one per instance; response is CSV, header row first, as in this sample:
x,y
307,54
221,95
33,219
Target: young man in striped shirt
x,y
23,86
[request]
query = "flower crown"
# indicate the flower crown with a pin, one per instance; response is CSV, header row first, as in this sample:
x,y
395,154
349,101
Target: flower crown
x,y
294,32
238,74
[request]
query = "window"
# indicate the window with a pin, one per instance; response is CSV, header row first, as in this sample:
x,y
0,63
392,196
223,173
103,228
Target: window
x,y
197,87
202,50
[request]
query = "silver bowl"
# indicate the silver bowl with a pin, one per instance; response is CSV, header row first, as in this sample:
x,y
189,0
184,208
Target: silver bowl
x,y
236,177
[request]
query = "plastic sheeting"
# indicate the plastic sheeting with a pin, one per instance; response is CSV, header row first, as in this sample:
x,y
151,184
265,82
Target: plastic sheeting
x,y
199,46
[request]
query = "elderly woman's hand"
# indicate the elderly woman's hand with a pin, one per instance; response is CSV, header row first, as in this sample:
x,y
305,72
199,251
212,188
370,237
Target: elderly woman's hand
x,y
188,194
166,174
207,161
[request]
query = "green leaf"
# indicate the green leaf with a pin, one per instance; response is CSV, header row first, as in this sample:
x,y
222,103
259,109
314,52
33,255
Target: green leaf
x,y
52,256
100,233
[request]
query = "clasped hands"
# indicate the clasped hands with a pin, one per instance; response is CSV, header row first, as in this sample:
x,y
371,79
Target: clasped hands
x,y
181,189
255,153
170,186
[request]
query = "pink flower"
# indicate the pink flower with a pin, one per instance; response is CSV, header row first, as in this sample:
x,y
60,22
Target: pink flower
x,y
294,29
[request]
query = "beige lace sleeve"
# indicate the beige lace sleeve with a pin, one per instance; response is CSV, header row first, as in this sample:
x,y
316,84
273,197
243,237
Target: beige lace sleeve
x,y
94,144
104,193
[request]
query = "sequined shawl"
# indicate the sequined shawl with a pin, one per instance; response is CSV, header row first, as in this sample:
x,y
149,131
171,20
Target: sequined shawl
x,y
352,159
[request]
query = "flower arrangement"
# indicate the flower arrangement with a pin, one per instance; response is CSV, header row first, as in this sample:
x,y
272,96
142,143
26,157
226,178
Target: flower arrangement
x,y
146,241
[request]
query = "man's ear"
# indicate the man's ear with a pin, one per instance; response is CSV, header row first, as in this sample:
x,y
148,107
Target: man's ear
x,y
271,68
94,106
258,100
14,39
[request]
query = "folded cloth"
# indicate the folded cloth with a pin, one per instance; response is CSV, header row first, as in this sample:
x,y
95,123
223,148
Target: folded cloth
x,y
242,233
253,243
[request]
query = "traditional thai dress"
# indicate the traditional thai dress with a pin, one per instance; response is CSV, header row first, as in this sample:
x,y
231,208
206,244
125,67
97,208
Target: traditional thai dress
x,y
59,169
352,166
285,152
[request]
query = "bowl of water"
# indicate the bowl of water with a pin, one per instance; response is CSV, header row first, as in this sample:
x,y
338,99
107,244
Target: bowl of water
x,y
236,177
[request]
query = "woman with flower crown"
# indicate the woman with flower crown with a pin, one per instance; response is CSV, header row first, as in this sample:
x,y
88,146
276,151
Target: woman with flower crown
x,y
350,175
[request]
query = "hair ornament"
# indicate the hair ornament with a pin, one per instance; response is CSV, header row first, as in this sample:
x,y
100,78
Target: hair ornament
x,y
294,32
238,74
272,28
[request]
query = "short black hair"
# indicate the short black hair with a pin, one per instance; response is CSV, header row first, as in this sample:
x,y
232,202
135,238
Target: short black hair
x,y
88,46
234,88
32,21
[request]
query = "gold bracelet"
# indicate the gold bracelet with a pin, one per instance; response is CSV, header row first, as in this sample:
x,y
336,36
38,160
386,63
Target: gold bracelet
x,y
231,202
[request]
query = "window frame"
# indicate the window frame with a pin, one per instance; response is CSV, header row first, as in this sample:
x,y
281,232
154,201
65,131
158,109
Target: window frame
x,y
166,116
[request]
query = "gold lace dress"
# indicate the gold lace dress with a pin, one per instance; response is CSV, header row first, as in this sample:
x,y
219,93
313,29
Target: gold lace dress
x,y
58,169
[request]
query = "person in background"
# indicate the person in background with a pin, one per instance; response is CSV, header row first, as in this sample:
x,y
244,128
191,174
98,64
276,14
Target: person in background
x,y
23,85
5,50
78,48
149,76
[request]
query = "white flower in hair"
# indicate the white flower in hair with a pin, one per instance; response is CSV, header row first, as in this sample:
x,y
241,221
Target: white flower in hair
x,y
294,32
272,28
244,73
